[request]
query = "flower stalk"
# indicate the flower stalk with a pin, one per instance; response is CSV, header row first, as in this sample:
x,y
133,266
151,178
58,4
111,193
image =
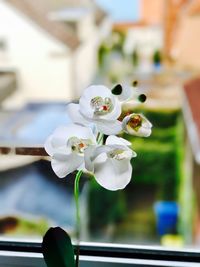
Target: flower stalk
x,y
78,219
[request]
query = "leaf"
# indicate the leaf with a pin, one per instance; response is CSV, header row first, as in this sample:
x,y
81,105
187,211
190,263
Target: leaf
x,y
117,90
57,248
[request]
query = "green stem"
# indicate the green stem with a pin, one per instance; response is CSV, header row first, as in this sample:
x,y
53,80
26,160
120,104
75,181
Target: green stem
x,y
100,138
78,219
76,196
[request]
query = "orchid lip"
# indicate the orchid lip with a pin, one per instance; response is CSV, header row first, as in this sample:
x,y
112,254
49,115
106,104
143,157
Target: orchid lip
x,y
101,106
118,154
78,145
135,122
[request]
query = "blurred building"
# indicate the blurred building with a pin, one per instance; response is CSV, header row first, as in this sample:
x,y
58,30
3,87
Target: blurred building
x,y
145,36
152,12
191,114
172,10
186,45
176,23
52,45
8,84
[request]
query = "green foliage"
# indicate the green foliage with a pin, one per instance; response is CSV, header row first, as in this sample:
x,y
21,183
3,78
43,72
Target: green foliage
x,y
157,167
32,227
157,57
105,206
161,118
104,50
135,58
157,162
118,41
114,42
185,189
158,135
151,164
27,226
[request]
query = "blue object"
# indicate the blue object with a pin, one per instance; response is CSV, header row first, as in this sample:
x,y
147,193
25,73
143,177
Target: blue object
x,y
120,11
166,216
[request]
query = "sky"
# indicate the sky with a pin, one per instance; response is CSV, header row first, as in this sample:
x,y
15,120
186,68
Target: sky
x,y
121,10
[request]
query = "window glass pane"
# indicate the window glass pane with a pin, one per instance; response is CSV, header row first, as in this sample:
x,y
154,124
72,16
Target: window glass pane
x,y
58,48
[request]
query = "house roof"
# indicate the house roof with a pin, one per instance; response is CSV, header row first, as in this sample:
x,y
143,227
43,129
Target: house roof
x,y
38,11
191,111
125,26
99,13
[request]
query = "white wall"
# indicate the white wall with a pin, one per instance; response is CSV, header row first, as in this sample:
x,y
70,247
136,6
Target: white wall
x,y
86,26
145,39
42,62
85,64
105,29
86,57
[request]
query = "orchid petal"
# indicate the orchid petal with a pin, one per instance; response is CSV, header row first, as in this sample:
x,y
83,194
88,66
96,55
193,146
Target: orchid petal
x,y
63,165
114,140
64,158
126,150
58,140
98,90
91,153
109,127
127,93
146,123
112,174
143,130
70,130
89,93
88,155
48,145
75,115
53,144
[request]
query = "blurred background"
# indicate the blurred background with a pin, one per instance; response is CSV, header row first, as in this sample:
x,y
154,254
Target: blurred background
x,y
50,50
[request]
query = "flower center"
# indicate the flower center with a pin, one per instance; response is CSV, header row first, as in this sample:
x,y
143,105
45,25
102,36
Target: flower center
x,y
101,106
135,122
118,154
78,145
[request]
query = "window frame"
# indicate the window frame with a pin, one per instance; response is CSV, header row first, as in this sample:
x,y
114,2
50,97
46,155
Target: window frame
x,y
29,254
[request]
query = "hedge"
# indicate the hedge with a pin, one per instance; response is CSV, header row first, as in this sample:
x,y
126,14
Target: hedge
x,y
156,165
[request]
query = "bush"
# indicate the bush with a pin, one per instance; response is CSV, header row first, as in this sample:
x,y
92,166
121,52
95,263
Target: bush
x,y
157,57
162,118
157,161
105,206
104,50
156,167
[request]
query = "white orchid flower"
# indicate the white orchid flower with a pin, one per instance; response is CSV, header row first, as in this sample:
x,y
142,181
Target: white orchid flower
x,y
66,147
99,106
137,124
110,163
